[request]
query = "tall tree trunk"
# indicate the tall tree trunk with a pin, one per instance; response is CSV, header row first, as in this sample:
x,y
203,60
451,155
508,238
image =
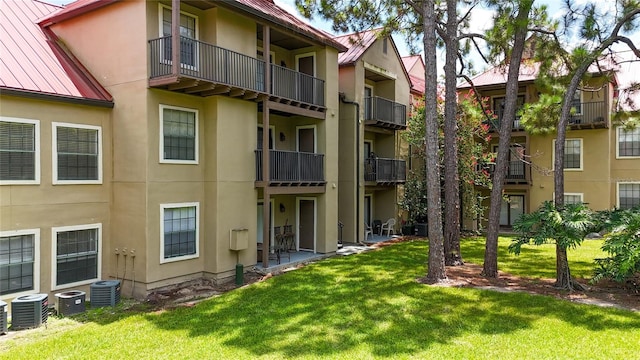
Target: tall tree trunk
x,y
490,266
436,271
452,256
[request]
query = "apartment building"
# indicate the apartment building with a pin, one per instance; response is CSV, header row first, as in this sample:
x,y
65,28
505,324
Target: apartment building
x,y
217,125
601,159
374,89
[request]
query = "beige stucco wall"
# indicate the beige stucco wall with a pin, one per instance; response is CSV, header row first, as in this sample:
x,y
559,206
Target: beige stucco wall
x,y
45,205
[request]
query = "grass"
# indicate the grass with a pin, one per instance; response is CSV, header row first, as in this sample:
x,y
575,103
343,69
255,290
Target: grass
x,y
535,261
355,307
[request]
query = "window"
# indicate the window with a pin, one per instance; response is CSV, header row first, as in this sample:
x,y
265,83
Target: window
x,y
76,254
77,155
188,36
19,151
498,109
179,135
19,261
573,198
628,142
628,195
572,154
179,229
384,45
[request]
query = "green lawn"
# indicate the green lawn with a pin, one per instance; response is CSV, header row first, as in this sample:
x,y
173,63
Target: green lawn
x,y
535,261
356,307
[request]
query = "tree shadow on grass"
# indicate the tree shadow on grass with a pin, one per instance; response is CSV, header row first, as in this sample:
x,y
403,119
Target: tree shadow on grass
x,y
371,299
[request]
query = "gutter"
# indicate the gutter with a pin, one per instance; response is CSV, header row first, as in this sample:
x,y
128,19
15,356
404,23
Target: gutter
x,y
344,100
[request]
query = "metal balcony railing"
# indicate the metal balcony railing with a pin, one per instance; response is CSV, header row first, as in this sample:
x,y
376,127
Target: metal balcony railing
x,y
383,170
292,166
385,112
516,170
588,113
296,86
220,66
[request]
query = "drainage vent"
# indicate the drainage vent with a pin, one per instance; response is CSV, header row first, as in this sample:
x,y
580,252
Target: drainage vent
x,y
105,293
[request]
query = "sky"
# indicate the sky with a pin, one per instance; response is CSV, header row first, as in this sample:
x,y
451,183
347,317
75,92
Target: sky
x,y
481,19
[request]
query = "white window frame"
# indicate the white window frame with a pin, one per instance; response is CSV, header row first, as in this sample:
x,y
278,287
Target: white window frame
x,y
54,153
36,260
197,246
36,172
315,137
196,59
553,153
54,254
315,61
618,189
580,195
618,156
161,158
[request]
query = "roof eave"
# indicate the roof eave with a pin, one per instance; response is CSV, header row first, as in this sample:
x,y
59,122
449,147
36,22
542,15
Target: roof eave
x,y
37,95
62,15
254,12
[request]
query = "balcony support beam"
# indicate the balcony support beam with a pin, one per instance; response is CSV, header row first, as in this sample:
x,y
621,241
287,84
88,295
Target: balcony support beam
x,y
296,110
266,191
175,37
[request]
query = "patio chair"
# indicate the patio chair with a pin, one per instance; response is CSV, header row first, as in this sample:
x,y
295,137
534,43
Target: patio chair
x,y
389,226
367,231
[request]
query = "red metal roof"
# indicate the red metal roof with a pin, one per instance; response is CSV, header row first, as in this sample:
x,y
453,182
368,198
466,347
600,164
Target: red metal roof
x,y
410,61
272,12
34,62
498,75
357,44
265,9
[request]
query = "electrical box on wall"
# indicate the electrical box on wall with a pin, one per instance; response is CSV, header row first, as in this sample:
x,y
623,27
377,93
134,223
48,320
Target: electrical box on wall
x,y
239,239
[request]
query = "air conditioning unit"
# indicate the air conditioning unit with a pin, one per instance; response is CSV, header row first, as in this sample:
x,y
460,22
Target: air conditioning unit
x,y
29,311
105,293
70,302
3,317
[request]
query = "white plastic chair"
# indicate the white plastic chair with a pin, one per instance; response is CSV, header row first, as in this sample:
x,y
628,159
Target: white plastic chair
x,y
368,231
389,226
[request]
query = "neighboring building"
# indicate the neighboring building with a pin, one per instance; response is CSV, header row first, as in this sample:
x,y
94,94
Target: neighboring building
x,y
602,160
186,167
414,66
55,160
371,169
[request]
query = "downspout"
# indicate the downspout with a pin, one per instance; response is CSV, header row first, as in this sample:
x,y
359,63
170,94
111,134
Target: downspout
x,y
357,223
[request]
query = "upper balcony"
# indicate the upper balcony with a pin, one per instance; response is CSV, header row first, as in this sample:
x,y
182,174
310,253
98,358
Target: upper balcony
x,y
292,168
385,171
384,113
518,172
207,70
587,115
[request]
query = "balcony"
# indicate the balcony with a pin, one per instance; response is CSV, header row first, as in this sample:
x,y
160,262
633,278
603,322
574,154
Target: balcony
x,y
292,168
381,112
494,126
208,70
385,171
516,172
588,115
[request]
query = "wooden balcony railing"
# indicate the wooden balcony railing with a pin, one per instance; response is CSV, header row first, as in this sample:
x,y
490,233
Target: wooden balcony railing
x,y
292,167
206,69
385,113
385,171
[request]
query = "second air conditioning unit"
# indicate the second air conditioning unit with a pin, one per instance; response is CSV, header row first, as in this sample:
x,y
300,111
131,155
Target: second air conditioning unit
x,y
3,317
